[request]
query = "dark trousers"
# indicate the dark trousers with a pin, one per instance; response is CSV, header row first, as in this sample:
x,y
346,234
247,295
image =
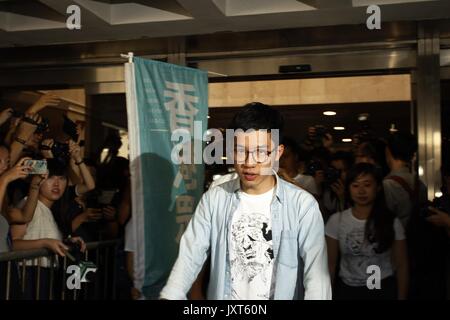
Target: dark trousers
x,y
388,291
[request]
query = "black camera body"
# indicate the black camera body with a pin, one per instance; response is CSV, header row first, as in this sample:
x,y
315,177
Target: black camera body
x,y
43,126
332,175
61,151
313,167
70,128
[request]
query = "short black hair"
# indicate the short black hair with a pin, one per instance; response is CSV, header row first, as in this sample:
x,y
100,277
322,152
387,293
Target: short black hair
x,y
57,167
258,116
402,146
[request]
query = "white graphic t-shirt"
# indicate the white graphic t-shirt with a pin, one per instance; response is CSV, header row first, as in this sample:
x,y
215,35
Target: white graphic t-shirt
x,y
357,254
251,254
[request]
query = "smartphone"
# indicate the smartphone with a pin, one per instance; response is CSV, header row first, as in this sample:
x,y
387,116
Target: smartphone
x,y
106,196
38,166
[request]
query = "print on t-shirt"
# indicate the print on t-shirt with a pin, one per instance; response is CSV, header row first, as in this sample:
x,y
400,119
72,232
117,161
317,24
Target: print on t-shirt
x,y
362,250
253,254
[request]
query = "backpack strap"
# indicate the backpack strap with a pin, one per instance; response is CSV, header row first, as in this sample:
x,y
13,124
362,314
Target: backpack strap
x,y
404,185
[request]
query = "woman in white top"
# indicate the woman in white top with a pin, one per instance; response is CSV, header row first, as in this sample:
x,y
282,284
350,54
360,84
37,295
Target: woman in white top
x,y
42,231
369,241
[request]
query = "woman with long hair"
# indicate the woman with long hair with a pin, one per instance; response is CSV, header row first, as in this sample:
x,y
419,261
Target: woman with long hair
x,y
368,241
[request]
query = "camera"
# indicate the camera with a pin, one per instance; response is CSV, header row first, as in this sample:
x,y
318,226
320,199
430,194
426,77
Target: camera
x,y
332,175
313,167
61,151
70,128
43,126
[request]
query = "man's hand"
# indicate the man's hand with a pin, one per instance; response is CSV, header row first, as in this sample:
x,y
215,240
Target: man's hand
x,y
46,100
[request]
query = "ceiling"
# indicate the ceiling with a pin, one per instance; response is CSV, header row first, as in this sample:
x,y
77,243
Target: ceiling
x,y
299,118
42,22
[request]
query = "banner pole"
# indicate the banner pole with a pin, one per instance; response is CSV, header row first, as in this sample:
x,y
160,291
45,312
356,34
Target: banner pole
x,y
128,56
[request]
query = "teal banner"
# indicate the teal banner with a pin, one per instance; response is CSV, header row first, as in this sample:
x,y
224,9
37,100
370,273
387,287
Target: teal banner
x,y
162,99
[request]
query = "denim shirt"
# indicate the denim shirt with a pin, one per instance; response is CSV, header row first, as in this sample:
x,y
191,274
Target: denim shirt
x,y
300,255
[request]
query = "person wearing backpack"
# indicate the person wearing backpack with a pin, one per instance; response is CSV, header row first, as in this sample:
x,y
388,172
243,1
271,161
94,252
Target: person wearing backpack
x,y
402,188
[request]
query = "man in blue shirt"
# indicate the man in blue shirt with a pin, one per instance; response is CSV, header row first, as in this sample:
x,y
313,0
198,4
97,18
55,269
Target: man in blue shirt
x,y
265,236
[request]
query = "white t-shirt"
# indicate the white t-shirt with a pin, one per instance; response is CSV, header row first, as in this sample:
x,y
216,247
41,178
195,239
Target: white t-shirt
x,y
356,252
251,252
307,182
42,226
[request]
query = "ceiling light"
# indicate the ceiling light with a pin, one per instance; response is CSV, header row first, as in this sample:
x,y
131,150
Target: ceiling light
x,y
346,140
329,113
363,117
339,128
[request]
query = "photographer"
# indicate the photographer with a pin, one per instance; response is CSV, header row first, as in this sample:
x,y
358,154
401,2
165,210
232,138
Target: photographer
x,y
30,129
318,136
334,198
70,152
403,190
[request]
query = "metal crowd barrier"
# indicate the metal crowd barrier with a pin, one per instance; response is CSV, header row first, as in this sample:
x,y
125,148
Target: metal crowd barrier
x,y
102,253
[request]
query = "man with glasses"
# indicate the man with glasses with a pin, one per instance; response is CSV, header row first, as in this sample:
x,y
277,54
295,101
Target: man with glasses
x,y
265,235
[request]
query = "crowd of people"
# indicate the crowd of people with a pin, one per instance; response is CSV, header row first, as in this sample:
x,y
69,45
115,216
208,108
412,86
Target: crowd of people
x,y
53,197
375,212
373,206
